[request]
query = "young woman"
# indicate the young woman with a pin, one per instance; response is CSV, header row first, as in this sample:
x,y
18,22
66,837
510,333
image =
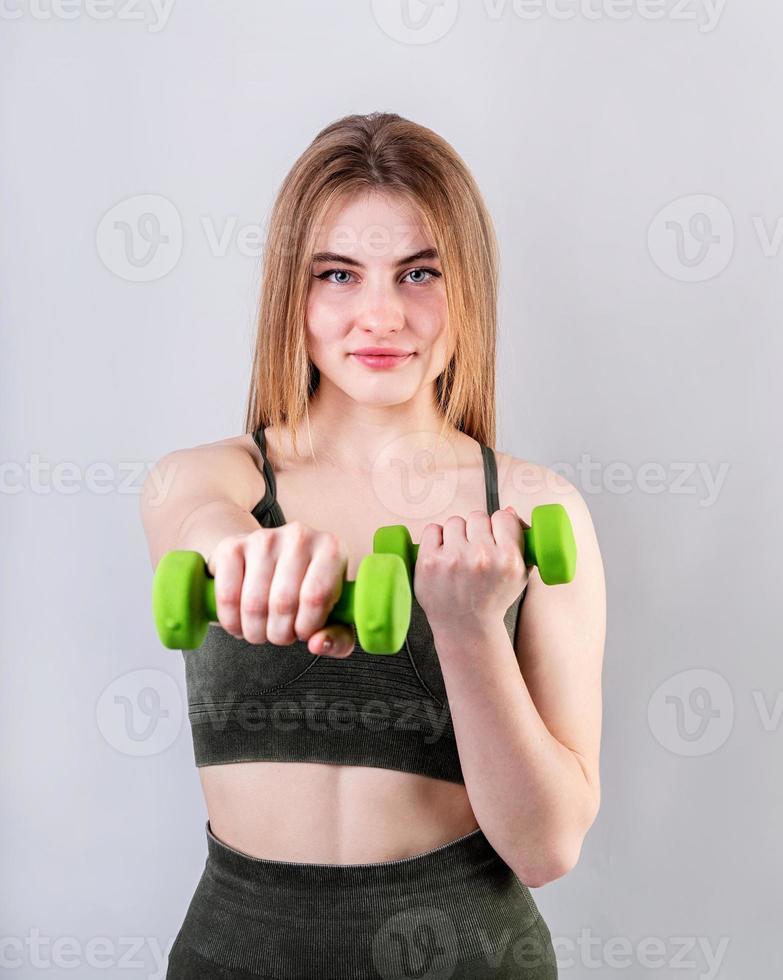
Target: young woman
x,y
369,815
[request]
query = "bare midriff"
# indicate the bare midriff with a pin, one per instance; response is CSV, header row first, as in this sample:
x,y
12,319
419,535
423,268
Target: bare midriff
x,y
332,814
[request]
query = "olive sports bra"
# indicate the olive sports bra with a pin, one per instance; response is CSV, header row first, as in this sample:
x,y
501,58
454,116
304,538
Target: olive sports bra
x,y
251,702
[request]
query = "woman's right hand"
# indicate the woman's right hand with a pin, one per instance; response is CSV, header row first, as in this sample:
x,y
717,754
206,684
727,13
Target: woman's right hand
x,y
278,585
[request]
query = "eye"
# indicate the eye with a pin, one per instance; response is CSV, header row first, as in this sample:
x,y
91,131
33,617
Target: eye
x,y
431,274
326,276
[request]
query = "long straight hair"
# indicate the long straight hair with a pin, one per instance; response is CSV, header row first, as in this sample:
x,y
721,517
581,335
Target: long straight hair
x,y
387,153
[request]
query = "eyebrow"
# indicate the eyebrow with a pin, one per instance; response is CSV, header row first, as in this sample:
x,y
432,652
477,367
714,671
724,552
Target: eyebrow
x,y
425,253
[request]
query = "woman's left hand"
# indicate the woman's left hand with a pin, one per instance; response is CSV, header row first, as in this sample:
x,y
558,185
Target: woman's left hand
x,y
468,573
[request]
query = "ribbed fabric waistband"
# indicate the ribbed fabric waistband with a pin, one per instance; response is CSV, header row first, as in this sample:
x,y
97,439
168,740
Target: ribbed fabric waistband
x,y
452,866
288,920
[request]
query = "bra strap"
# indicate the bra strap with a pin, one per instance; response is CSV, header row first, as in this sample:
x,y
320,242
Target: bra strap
x,y
268,505
490,478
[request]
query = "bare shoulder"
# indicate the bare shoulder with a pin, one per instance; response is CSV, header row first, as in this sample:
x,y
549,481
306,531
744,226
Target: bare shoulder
x,y
226,468
185,480
525,484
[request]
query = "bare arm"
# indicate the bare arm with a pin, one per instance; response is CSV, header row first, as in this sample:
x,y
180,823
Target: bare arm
x,y
201,500
527,716
193,498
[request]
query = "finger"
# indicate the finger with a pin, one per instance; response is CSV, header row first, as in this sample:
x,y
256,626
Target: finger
x,y
508,530
454,533
286,583
478,528
431,537
524,523
254,603
322,585
229,571
341,639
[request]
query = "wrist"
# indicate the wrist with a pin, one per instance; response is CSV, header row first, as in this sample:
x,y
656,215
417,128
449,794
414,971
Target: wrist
x,y
457,638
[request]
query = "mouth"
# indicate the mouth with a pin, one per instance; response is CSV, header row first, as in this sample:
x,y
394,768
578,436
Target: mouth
x,y
382,360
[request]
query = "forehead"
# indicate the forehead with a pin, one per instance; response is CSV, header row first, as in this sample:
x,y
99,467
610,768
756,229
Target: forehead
x,y
373,224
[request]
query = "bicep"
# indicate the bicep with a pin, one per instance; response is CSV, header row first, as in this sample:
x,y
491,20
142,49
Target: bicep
x,y
559,642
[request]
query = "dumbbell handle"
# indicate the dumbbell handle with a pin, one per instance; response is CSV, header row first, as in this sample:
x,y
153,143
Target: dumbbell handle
x,y
341,611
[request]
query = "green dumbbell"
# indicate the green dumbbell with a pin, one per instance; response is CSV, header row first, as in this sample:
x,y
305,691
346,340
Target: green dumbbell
x,y
378,602
549,544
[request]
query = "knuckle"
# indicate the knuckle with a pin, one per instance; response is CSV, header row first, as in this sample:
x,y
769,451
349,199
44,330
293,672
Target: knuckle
x,y
226,547
511,560
260,540
427,562
297,531
315,596
452,563
255,605
482,560
226,596
284,603
331,545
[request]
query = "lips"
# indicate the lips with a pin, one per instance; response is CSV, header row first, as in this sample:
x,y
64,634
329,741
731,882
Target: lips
x,y
382,352
382,361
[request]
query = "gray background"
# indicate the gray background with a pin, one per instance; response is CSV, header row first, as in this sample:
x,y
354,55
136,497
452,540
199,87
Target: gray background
x,y
632,167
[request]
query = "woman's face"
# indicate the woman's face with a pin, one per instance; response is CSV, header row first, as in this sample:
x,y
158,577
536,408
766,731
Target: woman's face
x,y
368,288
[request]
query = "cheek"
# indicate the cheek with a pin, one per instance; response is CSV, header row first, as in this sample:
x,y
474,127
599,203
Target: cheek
x,y
433,316
324,321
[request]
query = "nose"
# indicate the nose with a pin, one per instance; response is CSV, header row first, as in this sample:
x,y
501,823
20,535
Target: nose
x,y
379,309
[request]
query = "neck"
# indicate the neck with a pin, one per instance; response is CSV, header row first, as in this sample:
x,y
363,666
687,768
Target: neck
x,y
362,438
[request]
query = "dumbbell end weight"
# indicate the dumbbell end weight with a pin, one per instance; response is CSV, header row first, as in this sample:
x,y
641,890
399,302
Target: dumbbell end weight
x,y
550,544
183,600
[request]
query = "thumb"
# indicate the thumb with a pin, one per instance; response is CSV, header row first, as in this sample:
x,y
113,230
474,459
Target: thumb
x,y
336,641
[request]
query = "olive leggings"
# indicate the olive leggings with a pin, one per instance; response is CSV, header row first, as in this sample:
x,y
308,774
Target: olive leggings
x,y
457,912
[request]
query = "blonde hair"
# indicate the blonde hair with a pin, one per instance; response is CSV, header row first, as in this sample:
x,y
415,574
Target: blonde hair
x,y
378,152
